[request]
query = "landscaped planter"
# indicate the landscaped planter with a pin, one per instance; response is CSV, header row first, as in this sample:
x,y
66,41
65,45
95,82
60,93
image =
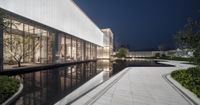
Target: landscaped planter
x,y
189,78
186,83
10,89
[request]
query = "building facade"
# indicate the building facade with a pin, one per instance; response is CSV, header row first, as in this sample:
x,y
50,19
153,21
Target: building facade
x,y
106,51
185,53
145,53
48,31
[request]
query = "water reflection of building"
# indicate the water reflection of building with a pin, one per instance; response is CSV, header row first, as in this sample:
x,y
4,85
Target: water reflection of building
x,y
49,86
58,31
107,49
105,65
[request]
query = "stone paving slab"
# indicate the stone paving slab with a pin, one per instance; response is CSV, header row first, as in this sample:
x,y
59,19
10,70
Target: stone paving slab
x,y
141,86
100,90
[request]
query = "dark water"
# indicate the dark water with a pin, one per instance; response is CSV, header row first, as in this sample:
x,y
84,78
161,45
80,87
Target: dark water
x,y
49,86
119,65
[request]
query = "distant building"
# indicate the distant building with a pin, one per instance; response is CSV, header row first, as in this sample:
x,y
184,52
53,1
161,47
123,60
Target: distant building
x,y
146,53
184,53
178,53
141,53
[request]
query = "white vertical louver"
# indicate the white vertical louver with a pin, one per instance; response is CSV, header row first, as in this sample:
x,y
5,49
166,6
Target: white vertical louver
x,y
63,15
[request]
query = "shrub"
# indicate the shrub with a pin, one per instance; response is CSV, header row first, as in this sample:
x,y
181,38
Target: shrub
x,y
122,53
163,55
7,88
11,62
157,55
189,78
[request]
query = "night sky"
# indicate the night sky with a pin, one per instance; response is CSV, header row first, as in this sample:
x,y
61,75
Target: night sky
x,y
141,24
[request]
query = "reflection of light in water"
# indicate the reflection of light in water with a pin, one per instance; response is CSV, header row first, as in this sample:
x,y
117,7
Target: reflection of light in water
x,y
71,70
73,48
105,60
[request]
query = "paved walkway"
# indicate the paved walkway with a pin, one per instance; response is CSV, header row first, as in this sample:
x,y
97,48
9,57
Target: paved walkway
x,y
139,86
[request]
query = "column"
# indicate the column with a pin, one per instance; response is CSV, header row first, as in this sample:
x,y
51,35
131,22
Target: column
x,y
56,48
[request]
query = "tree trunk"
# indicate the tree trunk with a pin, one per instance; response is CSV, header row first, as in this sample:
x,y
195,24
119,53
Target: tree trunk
x,y
19,64
1,44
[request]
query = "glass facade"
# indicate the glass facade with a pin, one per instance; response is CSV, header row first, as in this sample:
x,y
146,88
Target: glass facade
x,y
37,44
106,51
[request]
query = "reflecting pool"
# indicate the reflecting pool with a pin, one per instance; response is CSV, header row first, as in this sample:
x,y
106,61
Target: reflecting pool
x,y
49,86
46,87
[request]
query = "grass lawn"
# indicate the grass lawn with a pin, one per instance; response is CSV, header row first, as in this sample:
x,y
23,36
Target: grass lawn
x,y
8,87
189,78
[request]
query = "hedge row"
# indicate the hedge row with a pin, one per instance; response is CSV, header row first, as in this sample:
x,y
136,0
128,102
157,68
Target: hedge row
x,y
8,86
189,78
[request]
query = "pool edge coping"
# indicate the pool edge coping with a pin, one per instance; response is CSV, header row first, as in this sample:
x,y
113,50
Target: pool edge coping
x,y
101,89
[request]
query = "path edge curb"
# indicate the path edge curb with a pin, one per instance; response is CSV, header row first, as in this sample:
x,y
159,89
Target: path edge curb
x,y
185,93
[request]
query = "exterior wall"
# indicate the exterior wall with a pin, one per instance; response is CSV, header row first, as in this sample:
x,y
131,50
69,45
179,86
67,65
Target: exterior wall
x,y
61,28
63,15
140,54
183,53
107,50
145,53
178,53
47,45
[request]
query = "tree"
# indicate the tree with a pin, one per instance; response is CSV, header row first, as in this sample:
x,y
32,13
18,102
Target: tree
x,y
1,41
157,55
17,46
122,52
189,38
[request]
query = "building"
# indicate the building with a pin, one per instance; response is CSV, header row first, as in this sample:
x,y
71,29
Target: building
x,y
146,53
185,53
57,31
106,51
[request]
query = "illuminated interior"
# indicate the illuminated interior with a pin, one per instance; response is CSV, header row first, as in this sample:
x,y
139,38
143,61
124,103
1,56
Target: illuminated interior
x,y
106,51
42,44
